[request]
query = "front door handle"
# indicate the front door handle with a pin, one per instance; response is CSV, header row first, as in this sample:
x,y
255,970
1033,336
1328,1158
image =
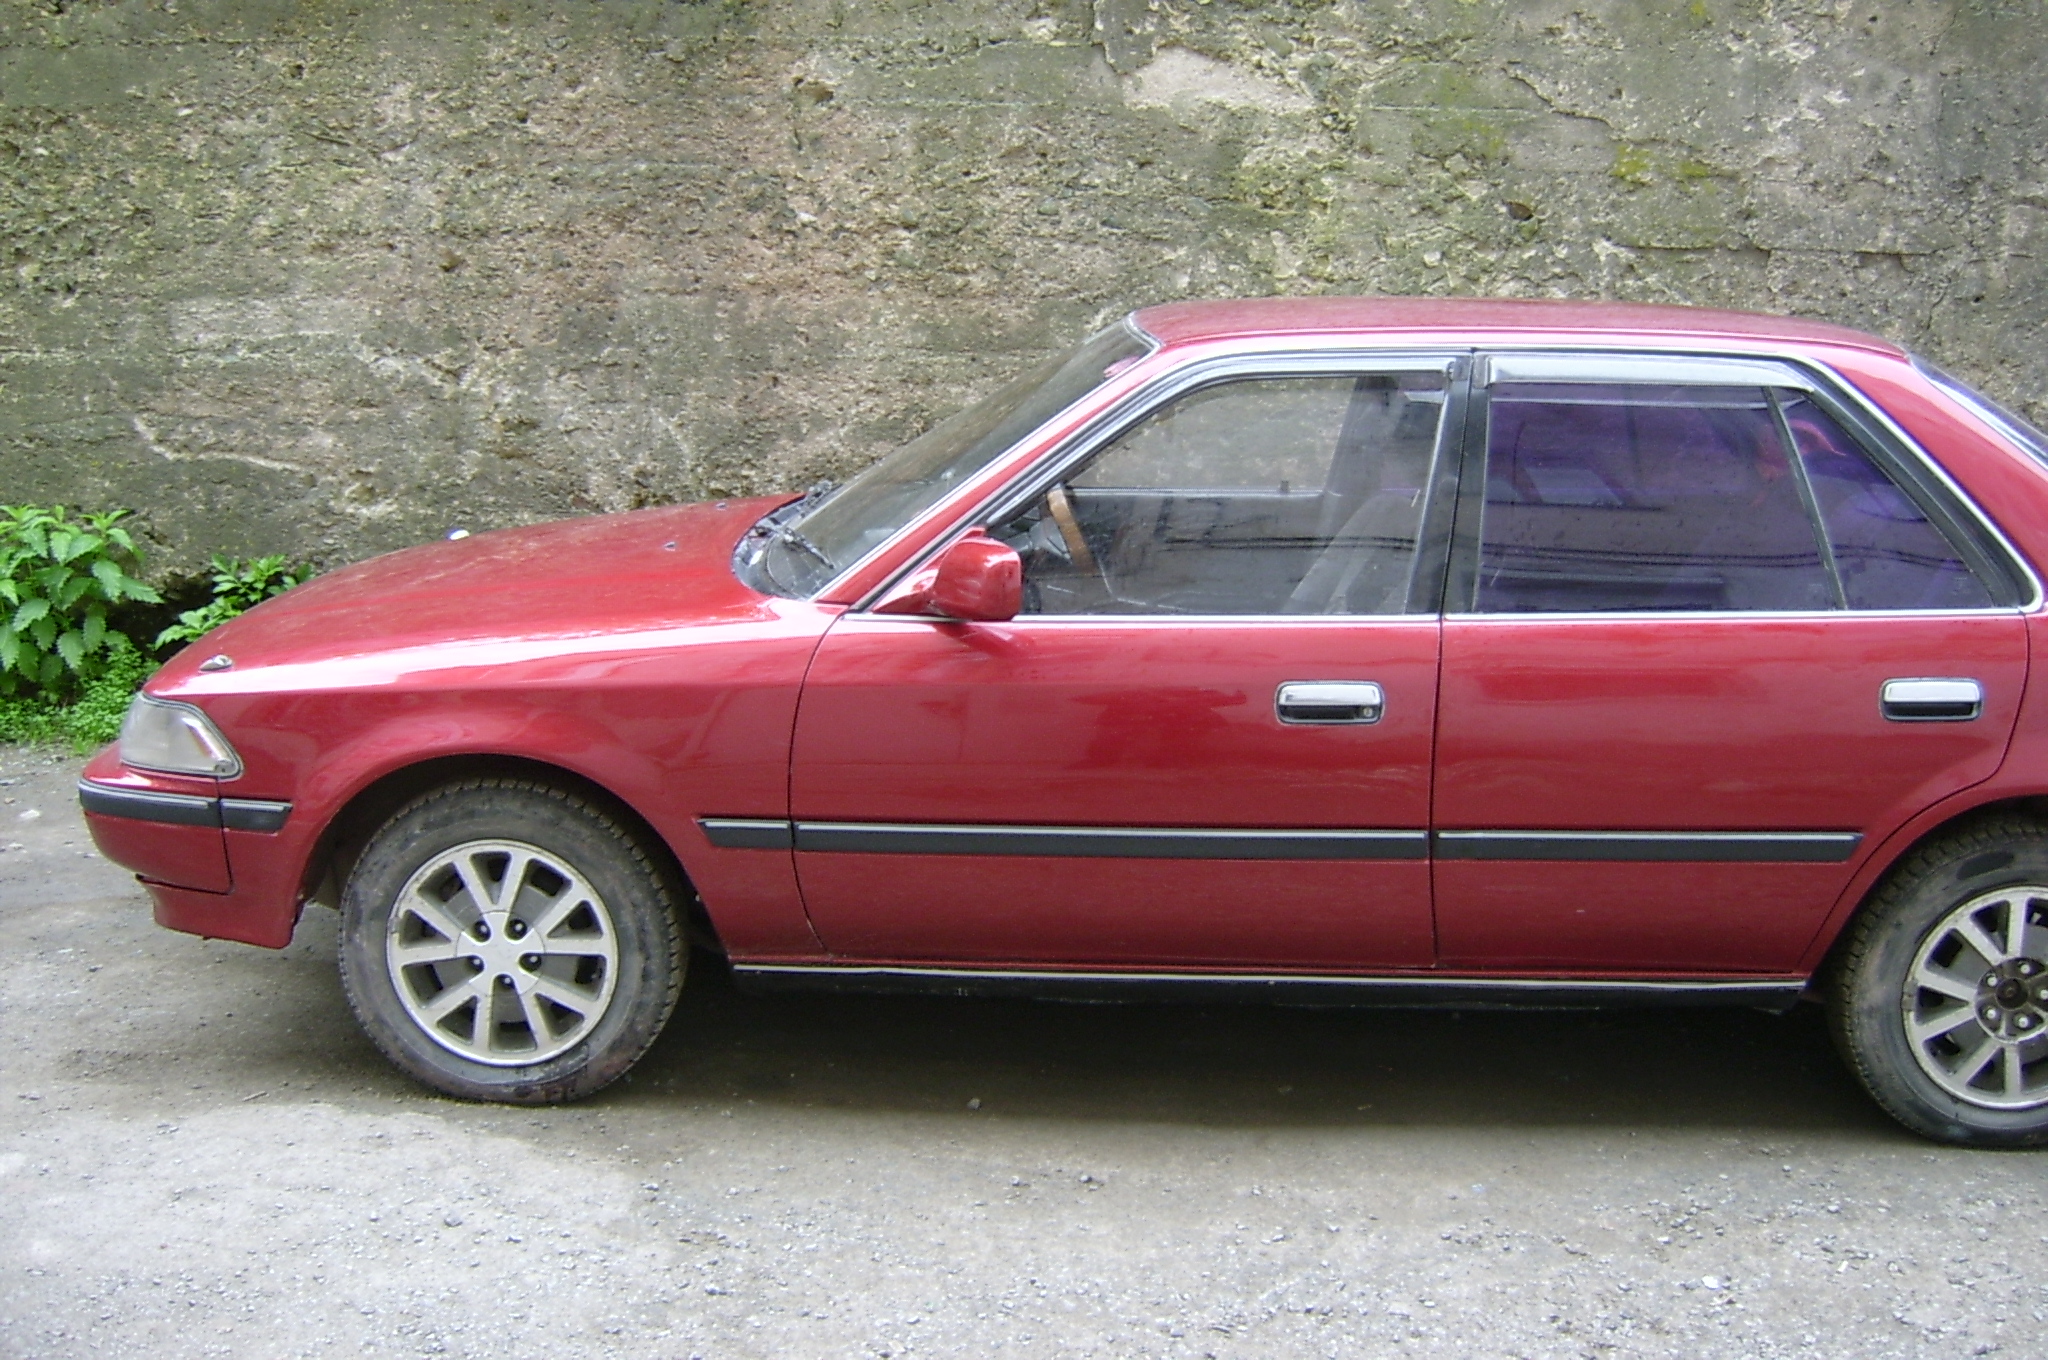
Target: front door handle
x,y
1931,700
1330,701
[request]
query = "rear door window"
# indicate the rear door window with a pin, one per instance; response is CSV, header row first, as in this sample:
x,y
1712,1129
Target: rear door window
x,y
1623,497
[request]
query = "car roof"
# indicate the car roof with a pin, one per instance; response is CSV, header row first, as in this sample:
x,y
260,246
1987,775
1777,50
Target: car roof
x,y
1180,323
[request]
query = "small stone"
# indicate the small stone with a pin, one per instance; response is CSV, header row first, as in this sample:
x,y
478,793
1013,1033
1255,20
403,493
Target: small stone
x,y
452,1221
974,1104
1710,1282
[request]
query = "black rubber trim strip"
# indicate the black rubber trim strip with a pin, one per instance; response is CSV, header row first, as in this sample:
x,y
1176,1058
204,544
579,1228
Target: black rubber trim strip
x,y
180,809
253,814
1713,847
1409,990
746,833
1100,842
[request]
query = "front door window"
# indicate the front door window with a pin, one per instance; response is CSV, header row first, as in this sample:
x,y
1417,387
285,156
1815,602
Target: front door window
x,y
1260,496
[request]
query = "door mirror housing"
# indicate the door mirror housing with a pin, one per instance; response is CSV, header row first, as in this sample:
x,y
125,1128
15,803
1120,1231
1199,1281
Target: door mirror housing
x,y
976,580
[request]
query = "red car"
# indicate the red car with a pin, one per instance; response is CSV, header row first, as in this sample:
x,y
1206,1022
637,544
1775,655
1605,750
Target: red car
x,y
1324,650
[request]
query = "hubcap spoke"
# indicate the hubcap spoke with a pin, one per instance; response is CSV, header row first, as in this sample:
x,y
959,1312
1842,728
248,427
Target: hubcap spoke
x,y
558,910
1976,1060
565,994
536,1020
1949,985
2015,1071
2016,912
505,882
444,1003
1947,1022
1978,940
432,914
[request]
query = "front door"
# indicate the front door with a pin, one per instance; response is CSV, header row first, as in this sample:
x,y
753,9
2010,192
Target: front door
x,y
1206,740
1710,637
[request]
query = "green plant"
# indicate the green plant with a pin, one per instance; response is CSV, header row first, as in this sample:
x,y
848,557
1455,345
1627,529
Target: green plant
x,y
59,577
238,587
94,719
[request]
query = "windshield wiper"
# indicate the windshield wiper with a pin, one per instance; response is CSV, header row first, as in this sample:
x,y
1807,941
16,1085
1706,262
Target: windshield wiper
x,y
779,526
790,534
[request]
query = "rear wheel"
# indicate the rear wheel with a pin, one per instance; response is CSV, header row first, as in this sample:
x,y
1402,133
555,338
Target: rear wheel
x,y
1940,1000
508,940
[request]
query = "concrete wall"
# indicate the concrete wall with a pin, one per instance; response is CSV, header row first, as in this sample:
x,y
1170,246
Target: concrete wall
x,y
329,278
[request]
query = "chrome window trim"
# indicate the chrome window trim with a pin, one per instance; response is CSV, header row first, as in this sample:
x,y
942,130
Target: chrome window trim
x,y
1291,362
1170,620
1619,366
1697,615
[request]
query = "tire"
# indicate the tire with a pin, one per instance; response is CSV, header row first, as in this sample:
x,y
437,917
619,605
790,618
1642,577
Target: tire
x,y
507,940
1936,1007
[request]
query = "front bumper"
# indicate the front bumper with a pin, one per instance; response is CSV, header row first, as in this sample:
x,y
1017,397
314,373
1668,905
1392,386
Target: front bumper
x,y
215,866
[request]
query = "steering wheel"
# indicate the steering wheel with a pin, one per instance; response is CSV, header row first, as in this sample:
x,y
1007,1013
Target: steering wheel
x,y
1060,506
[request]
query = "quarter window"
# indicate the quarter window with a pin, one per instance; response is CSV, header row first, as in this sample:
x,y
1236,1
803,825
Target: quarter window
x,y
1887,553
1258,496
1643,497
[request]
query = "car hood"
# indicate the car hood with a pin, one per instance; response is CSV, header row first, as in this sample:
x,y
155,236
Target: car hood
x,y
648,570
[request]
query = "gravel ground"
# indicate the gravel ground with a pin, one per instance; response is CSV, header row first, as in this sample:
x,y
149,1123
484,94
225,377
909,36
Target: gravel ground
x,y
201,1155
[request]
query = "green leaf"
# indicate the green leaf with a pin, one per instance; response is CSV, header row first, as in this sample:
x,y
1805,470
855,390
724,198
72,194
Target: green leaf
x,y
110,576
31,609
72,592
71,646
10,649
43,633
95,629
136,590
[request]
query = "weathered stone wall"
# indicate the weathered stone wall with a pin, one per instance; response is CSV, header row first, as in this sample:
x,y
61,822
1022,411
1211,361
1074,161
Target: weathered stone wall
x,y
328,278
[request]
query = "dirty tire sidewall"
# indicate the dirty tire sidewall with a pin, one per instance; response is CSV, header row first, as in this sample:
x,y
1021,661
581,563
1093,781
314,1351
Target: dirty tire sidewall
x,y
643,901
1865,1004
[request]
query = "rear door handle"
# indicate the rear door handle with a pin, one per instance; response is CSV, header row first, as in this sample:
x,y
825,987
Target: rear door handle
x,y
1330,701
1931,700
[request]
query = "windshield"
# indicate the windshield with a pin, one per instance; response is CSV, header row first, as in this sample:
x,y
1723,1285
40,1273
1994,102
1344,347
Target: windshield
x,y
2015,427
799,549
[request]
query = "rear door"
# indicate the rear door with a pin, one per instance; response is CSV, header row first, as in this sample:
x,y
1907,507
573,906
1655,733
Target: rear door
x,y
1711,633
1207,739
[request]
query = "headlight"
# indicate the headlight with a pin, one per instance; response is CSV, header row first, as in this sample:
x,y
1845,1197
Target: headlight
x,y
175,738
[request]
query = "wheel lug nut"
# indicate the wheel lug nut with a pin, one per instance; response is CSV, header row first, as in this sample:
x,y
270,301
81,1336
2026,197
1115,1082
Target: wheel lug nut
x,y
1991,979
516,929
504,979
482,931
2025,1022
1990,1015
529,961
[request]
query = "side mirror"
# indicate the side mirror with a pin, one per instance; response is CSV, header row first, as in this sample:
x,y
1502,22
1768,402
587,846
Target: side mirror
x,y
976,580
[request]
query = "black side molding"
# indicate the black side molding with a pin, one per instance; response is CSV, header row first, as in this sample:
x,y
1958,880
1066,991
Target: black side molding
x,y
183,809
1063,842
1280,843
1653,847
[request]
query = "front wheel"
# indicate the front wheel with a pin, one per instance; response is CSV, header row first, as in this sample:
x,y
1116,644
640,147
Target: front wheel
x,y
1940,999
508,940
